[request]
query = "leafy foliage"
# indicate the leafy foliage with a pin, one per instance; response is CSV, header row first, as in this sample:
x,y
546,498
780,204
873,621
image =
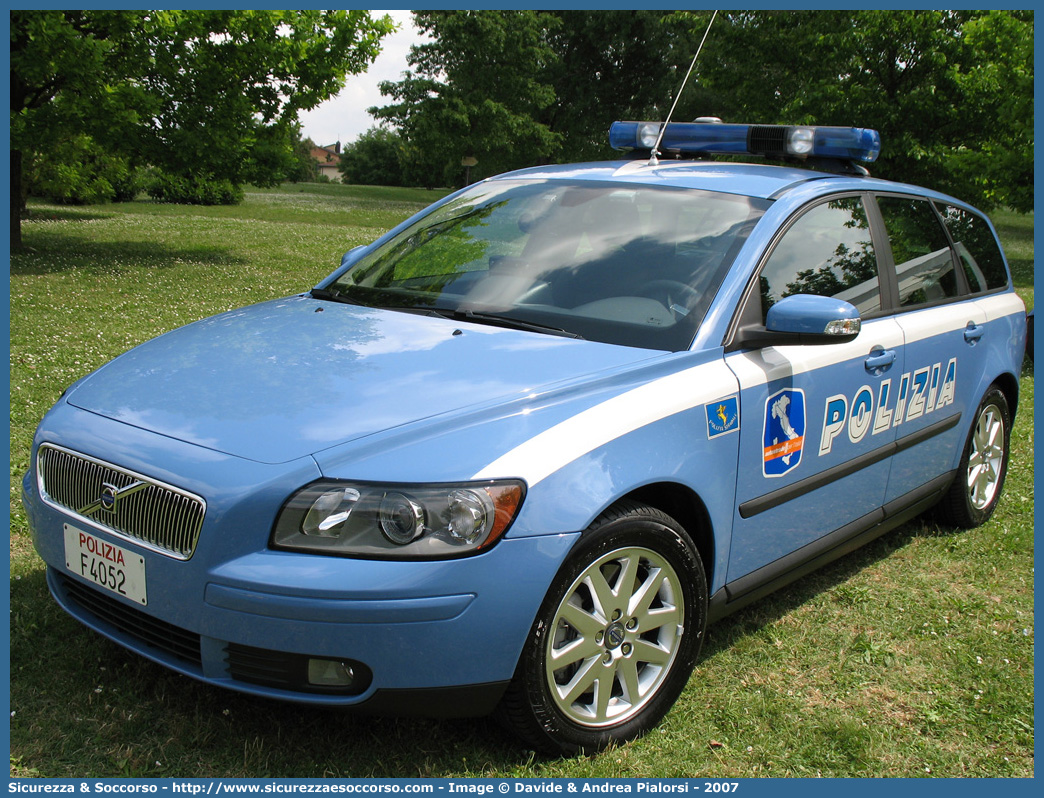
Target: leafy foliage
x,y
950,91
303,169
477,91
81,173
202,94
379,157
518,88
613,65
188,190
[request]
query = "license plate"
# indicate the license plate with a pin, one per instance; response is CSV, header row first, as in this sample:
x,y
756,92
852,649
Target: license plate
x,y
107,565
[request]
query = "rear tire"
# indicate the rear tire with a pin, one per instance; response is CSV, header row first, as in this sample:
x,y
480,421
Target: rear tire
x,y
974,494
615,639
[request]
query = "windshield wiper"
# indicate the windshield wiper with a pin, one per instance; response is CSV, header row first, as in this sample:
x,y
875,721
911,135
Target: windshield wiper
x,y
496,320
493,319
334,295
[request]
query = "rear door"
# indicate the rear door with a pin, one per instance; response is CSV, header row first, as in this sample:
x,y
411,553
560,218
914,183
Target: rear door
x,y
815,441
945,334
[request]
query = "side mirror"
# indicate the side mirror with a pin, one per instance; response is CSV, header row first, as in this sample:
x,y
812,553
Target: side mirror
x,y
804,319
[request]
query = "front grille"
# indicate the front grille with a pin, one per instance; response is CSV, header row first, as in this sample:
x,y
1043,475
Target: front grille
x,y
145,510
132,621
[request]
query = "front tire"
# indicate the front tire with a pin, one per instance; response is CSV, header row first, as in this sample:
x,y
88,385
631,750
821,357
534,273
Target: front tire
x,y
615,639
974,494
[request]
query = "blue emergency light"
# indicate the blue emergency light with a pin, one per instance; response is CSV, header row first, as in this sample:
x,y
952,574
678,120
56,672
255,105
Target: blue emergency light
x,y
800,141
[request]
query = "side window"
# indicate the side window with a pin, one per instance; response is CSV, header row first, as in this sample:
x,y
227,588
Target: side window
x,y
976,247
828,252
923,263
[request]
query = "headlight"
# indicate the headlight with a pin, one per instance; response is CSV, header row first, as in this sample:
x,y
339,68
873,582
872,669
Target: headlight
x,y
397,521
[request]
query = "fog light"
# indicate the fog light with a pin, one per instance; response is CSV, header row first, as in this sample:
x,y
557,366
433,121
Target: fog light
x,y
330,673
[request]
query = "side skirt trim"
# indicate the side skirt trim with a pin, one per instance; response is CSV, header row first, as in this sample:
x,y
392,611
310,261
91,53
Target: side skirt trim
x,y
757,584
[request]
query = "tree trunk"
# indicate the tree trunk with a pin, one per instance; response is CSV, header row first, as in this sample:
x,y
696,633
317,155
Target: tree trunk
x,y
17,200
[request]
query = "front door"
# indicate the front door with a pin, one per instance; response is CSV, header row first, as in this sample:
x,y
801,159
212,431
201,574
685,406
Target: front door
x,y
815,454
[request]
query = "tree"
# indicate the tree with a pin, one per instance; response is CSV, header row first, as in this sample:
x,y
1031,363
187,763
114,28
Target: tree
x,y
611,65
950,91
81,173
376,158
519,88
477,90
999,88
304,167
200,94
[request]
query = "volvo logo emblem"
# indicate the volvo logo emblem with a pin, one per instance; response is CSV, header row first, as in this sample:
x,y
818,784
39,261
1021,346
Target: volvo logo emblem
x,y
614,635
110,495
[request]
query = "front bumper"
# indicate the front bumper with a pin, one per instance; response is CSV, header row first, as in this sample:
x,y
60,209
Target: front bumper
x,y
439,637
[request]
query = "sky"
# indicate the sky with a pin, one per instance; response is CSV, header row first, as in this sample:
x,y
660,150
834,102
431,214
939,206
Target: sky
x,y
343,118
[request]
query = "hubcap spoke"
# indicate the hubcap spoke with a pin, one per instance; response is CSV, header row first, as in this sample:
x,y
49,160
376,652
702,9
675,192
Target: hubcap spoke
x,y
574,651
581,620
625,582
654,619
628,673
603,695
643,597
580,683
601,593
644,651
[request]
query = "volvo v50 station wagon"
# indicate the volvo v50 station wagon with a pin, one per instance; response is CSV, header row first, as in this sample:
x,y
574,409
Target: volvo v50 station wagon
x,y
516,454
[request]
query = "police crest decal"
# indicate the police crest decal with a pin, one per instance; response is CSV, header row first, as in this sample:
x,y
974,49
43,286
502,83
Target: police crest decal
x,y
784,431
723,416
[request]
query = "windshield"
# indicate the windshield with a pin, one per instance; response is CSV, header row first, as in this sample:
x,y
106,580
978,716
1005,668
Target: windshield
x,y
636,266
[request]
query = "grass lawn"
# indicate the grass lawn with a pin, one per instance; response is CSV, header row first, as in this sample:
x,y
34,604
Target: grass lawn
x,y
910,657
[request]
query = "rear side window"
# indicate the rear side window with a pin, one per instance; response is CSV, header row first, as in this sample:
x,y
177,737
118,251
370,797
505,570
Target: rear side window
x,y
923,262
977,249
827,252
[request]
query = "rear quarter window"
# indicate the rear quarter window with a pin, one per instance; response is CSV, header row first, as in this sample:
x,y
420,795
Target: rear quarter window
x,y
976,247
921,252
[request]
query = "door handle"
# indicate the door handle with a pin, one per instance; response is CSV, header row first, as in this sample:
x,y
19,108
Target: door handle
x,y
879,360
973,332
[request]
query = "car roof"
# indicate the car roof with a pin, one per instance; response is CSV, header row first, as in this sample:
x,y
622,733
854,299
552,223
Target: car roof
x,y
760,180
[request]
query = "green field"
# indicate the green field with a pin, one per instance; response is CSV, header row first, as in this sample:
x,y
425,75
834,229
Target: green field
x,y
910,657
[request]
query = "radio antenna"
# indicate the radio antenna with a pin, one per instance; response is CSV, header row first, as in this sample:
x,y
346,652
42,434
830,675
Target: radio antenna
x,y
653,160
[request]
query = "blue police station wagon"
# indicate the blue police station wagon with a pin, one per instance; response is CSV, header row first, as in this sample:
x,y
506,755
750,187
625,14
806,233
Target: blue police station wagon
x,y
516,454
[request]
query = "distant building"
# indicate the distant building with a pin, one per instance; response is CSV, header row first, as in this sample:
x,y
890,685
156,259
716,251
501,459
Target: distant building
x,y
327,159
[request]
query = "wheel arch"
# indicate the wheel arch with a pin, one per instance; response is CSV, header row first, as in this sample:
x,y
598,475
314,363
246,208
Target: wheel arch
x,y
1009,386
685,506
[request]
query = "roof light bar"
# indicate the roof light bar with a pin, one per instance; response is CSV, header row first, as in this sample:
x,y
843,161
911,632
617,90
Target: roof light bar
x,y
846,143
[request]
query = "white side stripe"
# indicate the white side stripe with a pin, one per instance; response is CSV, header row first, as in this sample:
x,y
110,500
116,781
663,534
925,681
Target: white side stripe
x,y
556,447
1000,305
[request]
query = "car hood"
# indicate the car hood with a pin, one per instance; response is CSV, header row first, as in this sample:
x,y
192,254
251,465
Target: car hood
x,y
288,378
